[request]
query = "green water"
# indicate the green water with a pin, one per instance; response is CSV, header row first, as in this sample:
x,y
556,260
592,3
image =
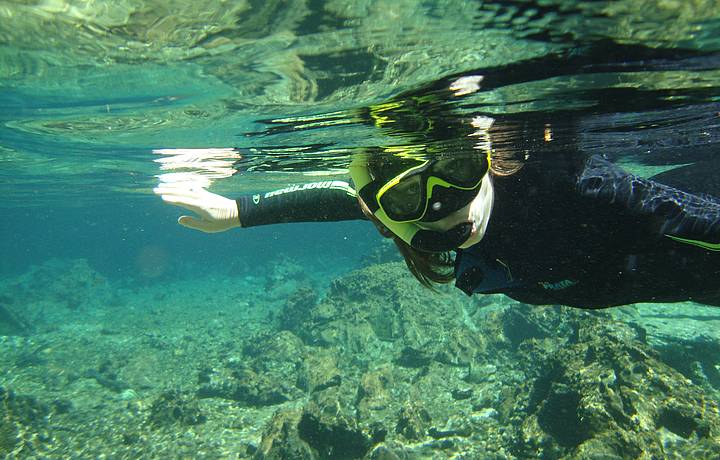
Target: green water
x,y
90,88
122,313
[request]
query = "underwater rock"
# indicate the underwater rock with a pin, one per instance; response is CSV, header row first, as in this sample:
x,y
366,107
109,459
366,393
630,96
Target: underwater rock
x,y
687,335
524,322
314,432
38,299
266,374
687,342
381,253
297,308
286,276
343,421
31,356
174,407
106,376
11,323
319,371
258,390
413,422
281,439
409,374
607,394
412,357
370,311
247,387
388,370
374,398
71,283
696,359
382,405
334,434
392,451
23,425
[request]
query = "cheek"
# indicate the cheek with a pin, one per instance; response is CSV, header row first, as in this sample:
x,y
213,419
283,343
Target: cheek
x,y
458,217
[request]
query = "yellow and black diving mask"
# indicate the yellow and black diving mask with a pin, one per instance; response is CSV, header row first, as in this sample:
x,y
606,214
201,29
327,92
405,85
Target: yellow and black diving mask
x,y
421,191
427,190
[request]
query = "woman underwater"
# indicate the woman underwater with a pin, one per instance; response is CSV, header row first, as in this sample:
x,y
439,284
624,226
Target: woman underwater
x,y
538,223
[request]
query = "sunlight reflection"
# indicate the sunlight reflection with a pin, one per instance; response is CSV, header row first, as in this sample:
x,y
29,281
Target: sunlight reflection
x,y
196,167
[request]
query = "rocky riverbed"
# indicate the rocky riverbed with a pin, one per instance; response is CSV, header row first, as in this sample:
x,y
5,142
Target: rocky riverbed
x,y
371,366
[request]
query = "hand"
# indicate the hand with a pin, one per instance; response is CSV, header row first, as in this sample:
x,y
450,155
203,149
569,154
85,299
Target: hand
x,y
216,213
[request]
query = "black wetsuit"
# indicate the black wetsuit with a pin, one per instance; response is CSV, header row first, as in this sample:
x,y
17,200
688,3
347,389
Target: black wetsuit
x,y
583,233
595,236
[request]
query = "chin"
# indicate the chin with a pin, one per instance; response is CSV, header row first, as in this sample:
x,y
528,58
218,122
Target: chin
x,y
472,240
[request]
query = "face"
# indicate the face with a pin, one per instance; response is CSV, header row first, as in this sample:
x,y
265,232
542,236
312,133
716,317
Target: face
x,y
429,190
476,212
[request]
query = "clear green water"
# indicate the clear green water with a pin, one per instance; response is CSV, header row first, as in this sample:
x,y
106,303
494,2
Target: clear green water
x,y
89,89
92,93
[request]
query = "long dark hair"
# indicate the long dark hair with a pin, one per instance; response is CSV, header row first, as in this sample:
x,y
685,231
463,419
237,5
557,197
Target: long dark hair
x,y
427,267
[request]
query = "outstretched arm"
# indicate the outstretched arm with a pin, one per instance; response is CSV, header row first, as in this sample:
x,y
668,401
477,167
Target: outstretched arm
x,y
322,201
678,215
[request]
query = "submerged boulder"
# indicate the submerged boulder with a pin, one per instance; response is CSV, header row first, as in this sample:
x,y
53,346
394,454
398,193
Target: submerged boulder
x,y
11,323
266,374
602,392
173,407
687,335
382,310
281,439
317,432
411,374
40,299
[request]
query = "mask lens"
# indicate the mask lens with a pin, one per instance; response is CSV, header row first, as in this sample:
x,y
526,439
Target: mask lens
x,y
463,172
405,200
445,201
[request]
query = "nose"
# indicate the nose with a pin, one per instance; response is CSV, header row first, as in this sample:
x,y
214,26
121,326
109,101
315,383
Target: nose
x,y
446,223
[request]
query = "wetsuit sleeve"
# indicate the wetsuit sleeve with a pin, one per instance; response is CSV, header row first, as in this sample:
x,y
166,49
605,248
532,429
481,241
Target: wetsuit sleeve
x,y
323,201
670,212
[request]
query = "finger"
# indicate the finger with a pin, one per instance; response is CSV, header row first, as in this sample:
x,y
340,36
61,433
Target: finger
x,y
198,198
190,204
191,222
164,189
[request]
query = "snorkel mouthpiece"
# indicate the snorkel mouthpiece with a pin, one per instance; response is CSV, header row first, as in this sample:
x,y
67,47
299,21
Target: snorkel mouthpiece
x,y
431,241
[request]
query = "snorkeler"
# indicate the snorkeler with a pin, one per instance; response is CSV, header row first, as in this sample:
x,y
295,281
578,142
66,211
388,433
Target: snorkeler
x,y
571,230
539,223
